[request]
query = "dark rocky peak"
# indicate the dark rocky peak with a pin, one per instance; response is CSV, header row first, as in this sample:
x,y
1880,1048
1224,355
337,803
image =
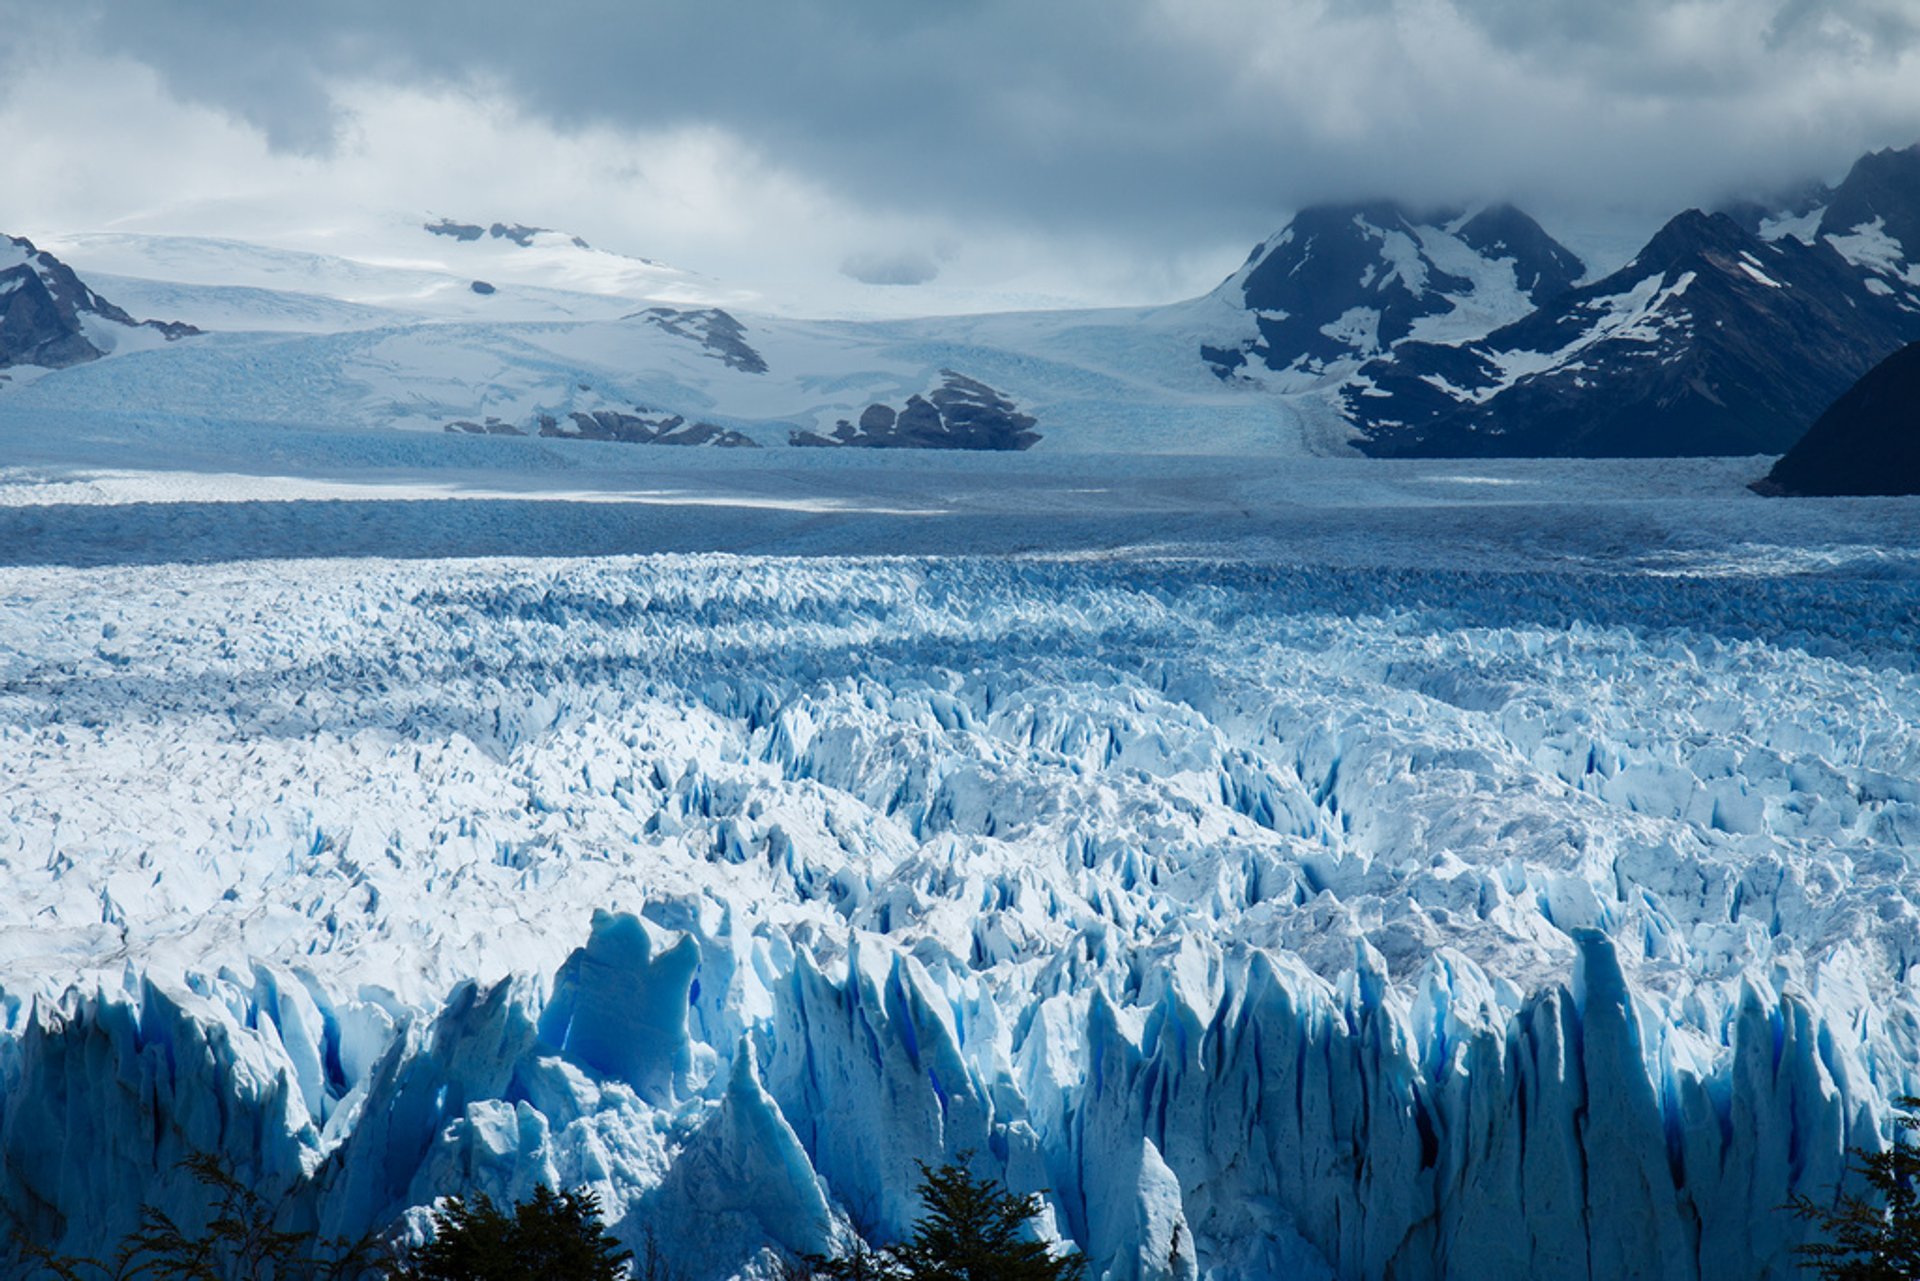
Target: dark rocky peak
x,y
1542,266
1883,187
1686,240
1866,443
1346,251
45,308
1343,283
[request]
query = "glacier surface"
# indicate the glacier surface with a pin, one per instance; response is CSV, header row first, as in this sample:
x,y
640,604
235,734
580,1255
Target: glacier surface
x,y
1487,873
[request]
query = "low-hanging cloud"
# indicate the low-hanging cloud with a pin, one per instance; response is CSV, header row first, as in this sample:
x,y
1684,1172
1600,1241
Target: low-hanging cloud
x,y
908,267
1131,120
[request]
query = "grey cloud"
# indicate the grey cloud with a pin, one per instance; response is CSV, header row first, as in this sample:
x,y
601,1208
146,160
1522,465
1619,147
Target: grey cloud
x,y
890,268
1119,116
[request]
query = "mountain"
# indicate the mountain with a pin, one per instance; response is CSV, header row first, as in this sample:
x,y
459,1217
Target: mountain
x,y
1867,443
1873,221
1342,283
1711,341
1372,326
50,319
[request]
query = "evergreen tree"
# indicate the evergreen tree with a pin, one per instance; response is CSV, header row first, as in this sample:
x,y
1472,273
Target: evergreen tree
x,y
973,1230
555,1236
1873,1236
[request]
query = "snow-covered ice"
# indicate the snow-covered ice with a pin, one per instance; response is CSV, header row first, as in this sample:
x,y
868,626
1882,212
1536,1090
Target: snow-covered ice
x,y
1305,868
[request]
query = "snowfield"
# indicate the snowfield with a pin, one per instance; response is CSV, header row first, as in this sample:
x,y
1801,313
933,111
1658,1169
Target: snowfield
x,y
1297,869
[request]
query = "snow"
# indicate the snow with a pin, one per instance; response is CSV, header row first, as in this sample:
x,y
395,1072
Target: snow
x,y
1868,245
1495,299
1402,255
1357,327
1292,866
1803,227
1098,381
1639,314
1751,266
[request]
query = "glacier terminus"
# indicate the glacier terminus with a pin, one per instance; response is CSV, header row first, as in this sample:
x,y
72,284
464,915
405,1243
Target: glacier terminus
x,y
1345,869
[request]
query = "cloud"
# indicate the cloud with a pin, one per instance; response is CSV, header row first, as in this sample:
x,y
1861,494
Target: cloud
x,y
1147,128
908,268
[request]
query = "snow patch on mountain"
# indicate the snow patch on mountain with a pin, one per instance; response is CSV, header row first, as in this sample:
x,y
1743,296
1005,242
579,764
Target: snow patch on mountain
x,y
1868,245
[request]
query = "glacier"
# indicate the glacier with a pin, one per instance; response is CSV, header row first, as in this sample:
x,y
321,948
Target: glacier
x,y
1368,904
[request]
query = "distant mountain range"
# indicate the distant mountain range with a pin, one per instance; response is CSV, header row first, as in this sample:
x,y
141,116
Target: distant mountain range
x,y
1371,326
1727,334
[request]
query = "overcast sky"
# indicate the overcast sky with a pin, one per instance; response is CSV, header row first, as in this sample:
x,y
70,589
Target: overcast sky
x,y
981,150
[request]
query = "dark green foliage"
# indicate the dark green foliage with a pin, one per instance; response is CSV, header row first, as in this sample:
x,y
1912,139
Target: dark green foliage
x,y
858,1262
973,1230
240,1243
553,1237
1875,1236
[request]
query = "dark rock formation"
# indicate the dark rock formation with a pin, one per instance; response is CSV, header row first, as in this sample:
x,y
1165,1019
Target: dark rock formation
x,y
481,287
44,310
723,337
961,413
639,428
519,233
456,230
1867,442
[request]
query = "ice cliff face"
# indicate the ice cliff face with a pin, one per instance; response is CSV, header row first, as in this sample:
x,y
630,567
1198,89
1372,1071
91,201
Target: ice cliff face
x,y
1273,922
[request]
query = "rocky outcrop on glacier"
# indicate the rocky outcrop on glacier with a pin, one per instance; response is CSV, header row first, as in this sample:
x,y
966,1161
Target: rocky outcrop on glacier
x,y
959,413
715,331
642,426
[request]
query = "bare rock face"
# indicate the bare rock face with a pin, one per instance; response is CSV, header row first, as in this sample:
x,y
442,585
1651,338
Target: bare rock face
x,y
961,413
48,317
1868,441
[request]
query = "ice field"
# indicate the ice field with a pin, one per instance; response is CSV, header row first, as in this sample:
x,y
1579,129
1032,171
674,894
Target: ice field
x,y
1301,868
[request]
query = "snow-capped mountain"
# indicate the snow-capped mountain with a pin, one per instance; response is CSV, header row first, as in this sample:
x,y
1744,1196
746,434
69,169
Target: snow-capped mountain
x,y
394,273
1715,339
50,319
1357,326
1343,283
1868,442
